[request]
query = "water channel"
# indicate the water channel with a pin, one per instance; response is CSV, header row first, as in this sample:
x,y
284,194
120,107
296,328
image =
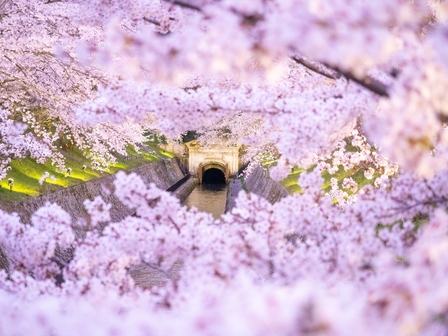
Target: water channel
x,y
210,196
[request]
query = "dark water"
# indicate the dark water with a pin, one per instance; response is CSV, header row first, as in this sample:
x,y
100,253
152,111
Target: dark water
x,y
209,198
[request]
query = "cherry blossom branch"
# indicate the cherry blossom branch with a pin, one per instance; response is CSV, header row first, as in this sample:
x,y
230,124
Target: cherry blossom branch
x,y
174,224
317,68
367,82
3,3
17,65
185,5
335,72
157,23
160,269
60,262
443,118
430,202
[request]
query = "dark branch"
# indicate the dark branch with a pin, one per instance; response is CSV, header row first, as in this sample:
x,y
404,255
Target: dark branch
x,y
431,202
17,65
160,269
367,82
443,118
185,5
316,68
157,23
394,72
248,20
60,262
334,72
193,88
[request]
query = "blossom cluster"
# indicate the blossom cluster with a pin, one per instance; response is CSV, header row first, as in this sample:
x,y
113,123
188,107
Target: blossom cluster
x,y
355,156
97,73
296,265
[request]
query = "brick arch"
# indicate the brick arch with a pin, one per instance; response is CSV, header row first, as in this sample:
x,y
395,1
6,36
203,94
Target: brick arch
x,y
203,167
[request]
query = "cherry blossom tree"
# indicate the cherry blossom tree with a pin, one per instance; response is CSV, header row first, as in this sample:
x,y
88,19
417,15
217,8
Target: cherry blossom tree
x,y
42,81
351,84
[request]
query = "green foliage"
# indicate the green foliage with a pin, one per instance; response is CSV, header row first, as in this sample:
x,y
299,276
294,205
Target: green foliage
x,y
151,135
418,221
243,184
160,153
163,140
290,182
189,136
27,172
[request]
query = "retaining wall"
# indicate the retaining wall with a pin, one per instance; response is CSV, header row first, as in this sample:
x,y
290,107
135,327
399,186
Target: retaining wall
x,y
186,188
163,174
259,183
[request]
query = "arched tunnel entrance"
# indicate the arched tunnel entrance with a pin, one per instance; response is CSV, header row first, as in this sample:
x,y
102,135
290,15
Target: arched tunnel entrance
x,y
211,193
213,176
213,173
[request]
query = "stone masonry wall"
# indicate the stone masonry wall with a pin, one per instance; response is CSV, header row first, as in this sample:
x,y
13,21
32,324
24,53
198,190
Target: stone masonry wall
x,y
261,184
258,183
163,174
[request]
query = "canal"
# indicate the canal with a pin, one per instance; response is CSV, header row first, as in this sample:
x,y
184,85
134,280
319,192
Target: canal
x,y
210,196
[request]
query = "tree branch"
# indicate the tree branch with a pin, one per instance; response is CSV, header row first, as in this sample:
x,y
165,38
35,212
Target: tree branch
x,y
406,207
332,74
160,269
185,5
3,4
60,262
443,118
367,82
151,21
17,65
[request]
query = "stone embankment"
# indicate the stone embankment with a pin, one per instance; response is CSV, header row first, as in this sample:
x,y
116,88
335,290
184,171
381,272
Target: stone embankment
x,y
163,173
186,188
259,183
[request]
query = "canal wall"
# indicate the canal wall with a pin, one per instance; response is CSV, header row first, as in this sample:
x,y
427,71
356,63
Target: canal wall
x,y
186,188
163,174
259,183
233,189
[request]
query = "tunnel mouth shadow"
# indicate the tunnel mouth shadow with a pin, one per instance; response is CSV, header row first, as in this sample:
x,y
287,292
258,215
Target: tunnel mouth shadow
x,y
213,176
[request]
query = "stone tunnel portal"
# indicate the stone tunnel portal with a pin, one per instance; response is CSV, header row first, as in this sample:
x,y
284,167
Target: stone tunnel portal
x,y
219,157
213,176
213,172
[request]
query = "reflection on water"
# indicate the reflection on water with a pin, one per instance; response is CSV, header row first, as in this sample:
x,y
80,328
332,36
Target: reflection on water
x,y
209,198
